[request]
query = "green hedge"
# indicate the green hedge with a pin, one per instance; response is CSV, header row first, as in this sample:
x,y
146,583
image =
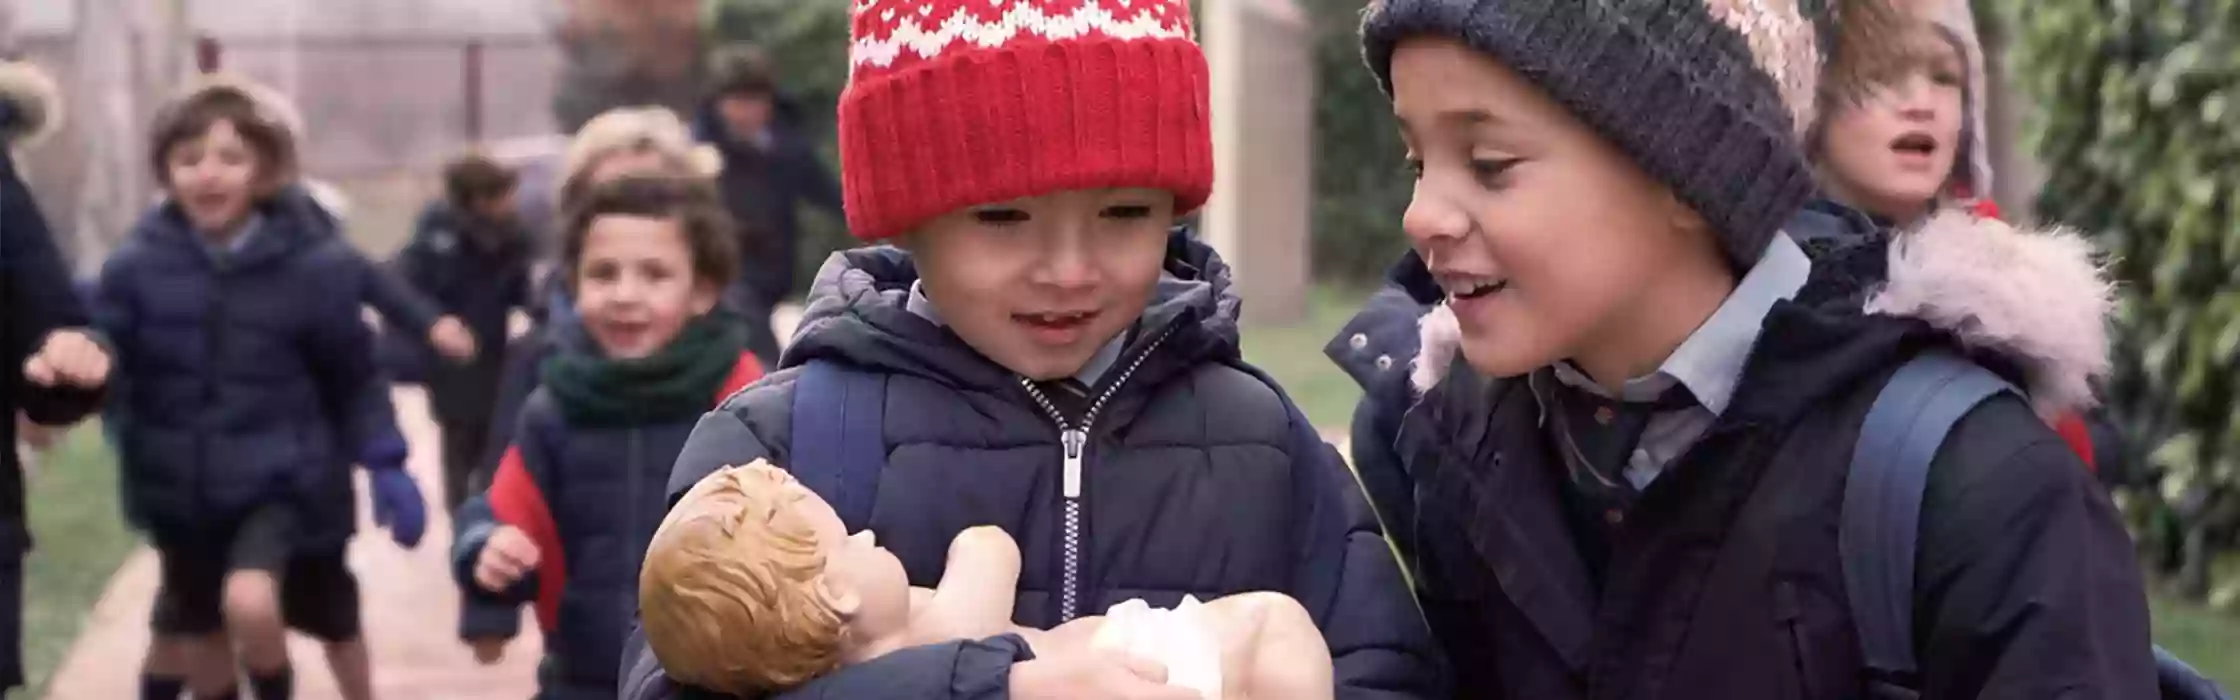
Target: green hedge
x,y
1361,186
2138,126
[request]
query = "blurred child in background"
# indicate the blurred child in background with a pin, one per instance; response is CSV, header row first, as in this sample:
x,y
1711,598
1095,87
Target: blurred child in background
x,y
234,308
566,521
471,256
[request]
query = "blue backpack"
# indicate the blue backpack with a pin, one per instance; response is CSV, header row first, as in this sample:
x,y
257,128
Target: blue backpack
x,y
1882,516
838,447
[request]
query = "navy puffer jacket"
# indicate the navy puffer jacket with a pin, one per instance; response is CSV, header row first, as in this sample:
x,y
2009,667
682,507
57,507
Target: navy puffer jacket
x,y
248,379
590,498
1195,481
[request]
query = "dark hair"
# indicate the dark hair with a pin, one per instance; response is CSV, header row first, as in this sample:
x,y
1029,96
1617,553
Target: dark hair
x,y
474,178
741,69
191,117
691,202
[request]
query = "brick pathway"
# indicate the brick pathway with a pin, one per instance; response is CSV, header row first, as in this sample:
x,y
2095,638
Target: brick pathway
x,y
411,613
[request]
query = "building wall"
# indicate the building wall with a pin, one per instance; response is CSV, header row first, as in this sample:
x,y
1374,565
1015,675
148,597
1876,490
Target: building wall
x,y
382,85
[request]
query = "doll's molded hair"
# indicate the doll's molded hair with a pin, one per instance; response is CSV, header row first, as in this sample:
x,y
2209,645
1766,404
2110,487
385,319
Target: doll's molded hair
x,y
730,595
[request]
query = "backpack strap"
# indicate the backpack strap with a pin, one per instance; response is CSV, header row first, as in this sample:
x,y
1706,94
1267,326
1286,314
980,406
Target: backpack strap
x,y
839,437
1882,504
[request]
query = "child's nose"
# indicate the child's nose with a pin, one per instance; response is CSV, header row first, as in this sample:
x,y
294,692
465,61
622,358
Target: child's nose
x,y
1070,264
1431,218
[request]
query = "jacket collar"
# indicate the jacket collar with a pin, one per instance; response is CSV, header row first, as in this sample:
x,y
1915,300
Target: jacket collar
x,y
1709,363
2035,301
859,312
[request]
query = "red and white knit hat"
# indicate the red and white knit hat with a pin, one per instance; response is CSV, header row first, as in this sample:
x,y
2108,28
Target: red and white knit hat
x,y
954,103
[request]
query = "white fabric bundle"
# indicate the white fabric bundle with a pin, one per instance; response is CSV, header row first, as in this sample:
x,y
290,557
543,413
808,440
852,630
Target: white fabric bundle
x,y
1182,639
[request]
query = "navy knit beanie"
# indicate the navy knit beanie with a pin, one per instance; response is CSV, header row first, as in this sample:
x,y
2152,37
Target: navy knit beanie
x,y
1708,96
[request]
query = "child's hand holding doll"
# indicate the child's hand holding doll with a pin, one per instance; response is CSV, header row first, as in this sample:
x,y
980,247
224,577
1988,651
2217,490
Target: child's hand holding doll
x,y
753,585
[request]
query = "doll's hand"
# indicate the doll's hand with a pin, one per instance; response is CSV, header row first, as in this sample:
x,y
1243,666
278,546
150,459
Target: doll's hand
x,y
68,357
488,650
506,557
1095,675
452,338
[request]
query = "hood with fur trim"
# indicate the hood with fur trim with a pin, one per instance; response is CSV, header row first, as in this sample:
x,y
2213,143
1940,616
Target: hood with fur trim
x,y
32,104
2037,299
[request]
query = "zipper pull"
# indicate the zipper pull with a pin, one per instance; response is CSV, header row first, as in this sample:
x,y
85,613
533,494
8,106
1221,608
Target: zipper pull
x,y
1076,441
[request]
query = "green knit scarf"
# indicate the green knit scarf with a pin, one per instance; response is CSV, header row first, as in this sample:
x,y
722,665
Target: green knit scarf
x,y
678,383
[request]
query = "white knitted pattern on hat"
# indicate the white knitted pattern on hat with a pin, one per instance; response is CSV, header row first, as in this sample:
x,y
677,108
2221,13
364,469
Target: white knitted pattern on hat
x,y
913,28
1784,44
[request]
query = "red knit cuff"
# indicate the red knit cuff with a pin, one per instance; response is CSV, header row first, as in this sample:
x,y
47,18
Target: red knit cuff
x,y
1034,118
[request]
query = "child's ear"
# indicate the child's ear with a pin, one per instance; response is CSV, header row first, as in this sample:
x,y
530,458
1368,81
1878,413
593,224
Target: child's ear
x,y
844,601
704,298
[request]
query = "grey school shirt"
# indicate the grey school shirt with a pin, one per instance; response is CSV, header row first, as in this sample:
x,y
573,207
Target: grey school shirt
x,y
1709,363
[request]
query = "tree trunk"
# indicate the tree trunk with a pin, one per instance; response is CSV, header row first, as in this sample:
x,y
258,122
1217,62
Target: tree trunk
x,y
2194,577
129,56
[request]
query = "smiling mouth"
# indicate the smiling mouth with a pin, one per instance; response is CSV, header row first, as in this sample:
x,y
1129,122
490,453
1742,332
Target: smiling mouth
x,y
1056,320
1468,288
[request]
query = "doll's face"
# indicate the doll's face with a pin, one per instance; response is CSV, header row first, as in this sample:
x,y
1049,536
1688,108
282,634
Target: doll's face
x,y
867,583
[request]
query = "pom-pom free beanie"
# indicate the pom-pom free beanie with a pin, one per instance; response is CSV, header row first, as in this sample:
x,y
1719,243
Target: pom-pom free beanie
x,y
1708,96
954,103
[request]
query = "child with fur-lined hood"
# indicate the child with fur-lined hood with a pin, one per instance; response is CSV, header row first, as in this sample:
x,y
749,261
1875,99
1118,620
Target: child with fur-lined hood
x,y
1637,396
1908,150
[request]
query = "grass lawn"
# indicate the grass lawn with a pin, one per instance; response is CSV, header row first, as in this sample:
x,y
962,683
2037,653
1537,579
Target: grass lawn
x,y
80,540
1293,355
2206,639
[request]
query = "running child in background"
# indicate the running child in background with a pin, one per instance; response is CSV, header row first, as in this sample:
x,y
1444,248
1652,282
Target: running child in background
x,y
471,256
580,491
252,388
625,141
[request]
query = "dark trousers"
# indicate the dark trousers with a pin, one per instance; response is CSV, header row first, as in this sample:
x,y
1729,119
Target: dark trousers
x,y
463,442
464,401
11,615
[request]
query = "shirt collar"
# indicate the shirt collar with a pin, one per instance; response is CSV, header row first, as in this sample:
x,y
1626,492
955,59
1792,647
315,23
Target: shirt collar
x,y
1709,363
1098,364
239,241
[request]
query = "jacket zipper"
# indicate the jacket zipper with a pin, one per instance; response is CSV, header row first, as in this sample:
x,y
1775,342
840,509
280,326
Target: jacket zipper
x,y
1075,442
636,474
215,322
1800,643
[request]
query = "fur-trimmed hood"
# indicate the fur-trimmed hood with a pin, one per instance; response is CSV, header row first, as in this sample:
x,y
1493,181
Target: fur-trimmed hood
x,y
2034,298
33,104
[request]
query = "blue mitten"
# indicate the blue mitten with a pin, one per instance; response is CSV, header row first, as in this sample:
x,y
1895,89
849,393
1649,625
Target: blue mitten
x,y
396,497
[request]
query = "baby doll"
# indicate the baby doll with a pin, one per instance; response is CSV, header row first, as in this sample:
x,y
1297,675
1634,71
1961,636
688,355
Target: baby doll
x,y
752,585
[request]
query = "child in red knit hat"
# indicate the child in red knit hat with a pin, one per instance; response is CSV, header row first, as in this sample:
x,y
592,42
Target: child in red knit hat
x,y
1041,350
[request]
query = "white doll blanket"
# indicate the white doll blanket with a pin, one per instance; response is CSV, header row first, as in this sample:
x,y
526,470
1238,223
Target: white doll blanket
x,y
1182,639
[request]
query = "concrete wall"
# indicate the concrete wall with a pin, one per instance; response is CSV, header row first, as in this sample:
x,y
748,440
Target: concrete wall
x,y
1261,55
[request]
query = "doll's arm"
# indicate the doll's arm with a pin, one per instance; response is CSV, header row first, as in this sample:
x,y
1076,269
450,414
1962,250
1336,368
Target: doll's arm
x,y
977,590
